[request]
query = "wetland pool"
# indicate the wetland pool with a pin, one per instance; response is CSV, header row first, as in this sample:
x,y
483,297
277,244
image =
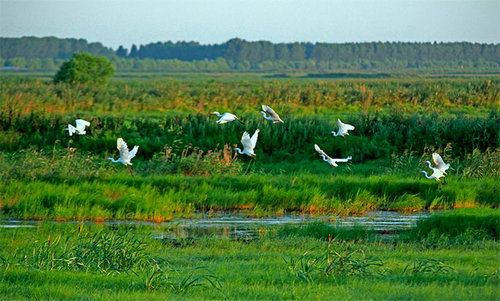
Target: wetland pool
x,y
240,226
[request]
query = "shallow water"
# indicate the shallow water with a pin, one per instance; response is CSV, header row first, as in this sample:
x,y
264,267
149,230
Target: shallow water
x,y
239,226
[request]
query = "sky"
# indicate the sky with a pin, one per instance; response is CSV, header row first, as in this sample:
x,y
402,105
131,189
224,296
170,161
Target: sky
x,y
128,22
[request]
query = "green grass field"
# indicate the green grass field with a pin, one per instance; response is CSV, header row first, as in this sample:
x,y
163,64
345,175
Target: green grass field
x,y
186,167
97,261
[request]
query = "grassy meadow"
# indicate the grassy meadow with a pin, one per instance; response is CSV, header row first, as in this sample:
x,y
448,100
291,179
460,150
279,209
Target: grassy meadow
x,y
186,161
186,166
310,261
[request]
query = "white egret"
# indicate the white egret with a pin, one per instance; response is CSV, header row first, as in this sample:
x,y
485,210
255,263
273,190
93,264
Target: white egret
x,y
248,144
436,174
333,162
80,127
125,154
439,163
273,116
226,117
343,129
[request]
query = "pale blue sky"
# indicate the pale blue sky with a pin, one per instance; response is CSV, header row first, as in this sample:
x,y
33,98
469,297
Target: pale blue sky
x,y
213,21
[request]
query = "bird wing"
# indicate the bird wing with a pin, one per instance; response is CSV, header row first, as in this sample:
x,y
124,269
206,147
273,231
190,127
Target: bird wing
x,y
339,124
437,173
270,111
253,140
348,127
228,117
344,126
320,151
80,123
133,152
71,129
246,141
122,148
438,161
342,160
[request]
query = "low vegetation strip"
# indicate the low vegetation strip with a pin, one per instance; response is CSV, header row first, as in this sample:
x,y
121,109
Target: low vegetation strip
x,y
483,223
161,197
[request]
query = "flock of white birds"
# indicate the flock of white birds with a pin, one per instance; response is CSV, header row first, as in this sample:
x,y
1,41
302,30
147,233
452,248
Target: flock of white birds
x,y
249,143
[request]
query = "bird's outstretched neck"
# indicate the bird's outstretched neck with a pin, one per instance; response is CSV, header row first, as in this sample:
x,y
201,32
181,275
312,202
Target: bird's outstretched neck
x,y
265,115
239,151
430,165
425,173
334,134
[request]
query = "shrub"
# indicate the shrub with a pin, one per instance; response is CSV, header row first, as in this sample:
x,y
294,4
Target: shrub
x,y
85,68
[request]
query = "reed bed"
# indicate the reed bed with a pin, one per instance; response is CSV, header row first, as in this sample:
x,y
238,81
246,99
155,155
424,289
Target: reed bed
x,y
24,95
159,198
376,135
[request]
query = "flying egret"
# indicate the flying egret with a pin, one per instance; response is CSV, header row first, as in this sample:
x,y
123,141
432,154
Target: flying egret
x,y
80,127
248,144
343,129
125,154
333,162
273,116
226,117
439,163
436,174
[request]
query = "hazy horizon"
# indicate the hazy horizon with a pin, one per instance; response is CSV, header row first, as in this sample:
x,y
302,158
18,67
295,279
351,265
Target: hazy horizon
x,y
130,22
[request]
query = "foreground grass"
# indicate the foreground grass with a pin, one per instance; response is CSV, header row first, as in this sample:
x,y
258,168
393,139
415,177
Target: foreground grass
x,y
258,269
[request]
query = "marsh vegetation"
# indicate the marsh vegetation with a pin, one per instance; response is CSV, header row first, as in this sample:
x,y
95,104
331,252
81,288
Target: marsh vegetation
x,y
186,168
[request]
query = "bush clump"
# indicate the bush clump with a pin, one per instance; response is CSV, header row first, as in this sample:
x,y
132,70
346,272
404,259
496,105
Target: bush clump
x,y
85,68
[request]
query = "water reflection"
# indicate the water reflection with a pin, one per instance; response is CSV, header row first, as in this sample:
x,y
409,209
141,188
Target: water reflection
x,y
238,226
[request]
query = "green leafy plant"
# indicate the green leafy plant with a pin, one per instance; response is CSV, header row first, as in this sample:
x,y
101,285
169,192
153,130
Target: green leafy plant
x,y
333,263
431,266
85,68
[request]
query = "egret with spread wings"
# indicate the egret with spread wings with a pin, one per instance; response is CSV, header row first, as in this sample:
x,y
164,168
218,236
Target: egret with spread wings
x,y
436,174
226,117
333,162
125,154
248,144
273,116
79,128
439,163
343,129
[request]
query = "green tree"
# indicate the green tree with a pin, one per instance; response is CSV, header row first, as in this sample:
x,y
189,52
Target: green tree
x,y
121,51
85,68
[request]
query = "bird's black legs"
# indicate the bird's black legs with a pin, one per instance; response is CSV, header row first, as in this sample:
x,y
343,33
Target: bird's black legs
x,y
247,171
130,170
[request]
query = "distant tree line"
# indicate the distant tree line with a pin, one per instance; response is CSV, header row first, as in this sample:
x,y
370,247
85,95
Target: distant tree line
x,y
49,47
47,54
238,50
